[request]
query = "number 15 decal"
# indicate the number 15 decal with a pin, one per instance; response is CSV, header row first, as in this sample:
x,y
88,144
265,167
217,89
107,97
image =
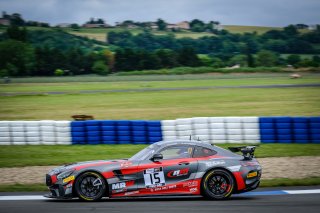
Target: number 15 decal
x,y
154,177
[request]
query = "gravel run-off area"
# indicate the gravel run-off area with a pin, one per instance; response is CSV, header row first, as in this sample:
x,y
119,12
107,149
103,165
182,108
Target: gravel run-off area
x,y
276,167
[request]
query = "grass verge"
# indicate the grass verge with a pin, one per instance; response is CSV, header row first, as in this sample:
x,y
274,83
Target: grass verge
x,y
312,181
42,155
160,105
152,83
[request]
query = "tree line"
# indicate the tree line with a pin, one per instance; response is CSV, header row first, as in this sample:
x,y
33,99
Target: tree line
x,y
55,52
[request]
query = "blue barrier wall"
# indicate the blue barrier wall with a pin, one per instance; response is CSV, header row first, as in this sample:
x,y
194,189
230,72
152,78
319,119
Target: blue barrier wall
x,y
116,132
289,129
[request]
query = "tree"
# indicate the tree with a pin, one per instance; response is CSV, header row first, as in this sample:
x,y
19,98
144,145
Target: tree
x,y
316,59
16,19
75,26
291,30
188,57
100,68
293,59
110,58
17,58
58,72
17,33
168,58
162,25
266,58
239,59
197,25
217,62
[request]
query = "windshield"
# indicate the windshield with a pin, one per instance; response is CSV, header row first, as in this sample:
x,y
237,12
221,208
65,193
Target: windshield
x,y
143,154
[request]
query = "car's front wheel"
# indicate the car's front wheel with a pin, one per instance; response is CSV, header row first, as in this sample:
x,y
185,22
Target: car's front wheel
x,y
90,186
217,184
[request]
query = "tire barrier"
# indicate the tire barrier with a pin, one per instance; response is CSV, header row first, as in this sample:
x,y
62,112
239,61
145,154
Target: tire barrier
x,y
290,129
213,129
45,132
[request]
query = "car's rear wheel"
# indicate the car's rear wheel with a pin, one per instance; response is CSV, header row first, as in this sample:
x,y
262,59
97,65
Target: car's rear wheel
x,y
90,186
217,184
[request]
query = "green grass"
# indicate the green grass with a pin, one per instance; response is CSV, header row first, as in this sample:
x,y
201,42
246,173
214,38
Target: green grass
x,y
78,86
132,78
312,181
42,155
248,29
23,187
164,104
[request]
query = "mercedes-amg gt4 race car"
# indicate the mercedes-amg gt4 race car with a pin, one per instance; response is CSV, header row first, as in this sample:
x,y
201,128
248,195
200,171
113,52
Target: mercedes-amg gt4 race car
x,y
163,168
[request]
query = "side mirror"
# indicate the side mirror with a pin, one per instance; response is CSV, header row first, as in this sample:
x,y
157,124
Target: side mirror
x,y
157,157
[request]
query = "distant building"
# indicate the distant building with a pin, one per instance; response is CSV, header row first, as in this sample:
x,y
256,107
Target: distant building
x,y
96,25
172,26
153,26
184,25
64,25
132,26
218,27
4,21
312,27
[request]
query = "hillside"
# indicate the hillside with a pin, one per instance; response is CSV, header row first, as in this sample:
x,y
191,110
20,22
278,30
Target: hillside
x,y
100,34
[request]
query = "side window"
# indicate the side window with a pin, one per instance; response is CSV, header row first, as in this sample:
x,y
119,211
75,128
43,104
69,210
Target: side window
x,y
176,152
203,152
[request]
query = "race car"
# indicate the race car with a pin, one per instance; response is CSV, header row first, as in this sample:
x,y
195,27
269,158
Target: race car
x,y
179,167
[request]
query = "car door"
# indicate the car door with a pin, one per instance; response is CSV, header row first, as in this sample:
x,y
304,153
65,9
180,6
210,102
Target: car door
x,y
170,175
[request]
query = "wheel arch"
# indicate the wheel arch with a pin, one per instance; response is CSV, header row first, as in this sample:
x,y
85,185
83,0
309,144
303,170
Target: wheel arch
x,y
94,171
218,168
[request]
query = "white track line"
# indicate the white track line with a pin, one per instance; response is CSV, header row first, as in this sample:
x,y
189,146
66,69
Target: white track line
x,y
24,197
296,192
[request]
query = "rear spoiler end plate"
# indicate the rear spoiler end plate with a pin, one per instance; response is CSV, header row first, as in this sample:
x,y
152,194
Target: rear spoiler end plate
x,y
247,151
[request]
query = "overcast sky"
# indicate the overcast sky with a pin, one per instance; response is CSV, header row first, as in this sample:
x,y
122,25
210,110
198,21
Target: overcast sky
x,y
228,12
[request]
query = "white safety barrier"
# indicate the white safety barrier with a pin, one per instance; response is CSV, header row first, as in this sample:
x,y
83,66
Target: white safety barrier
x,y
45,132
213,129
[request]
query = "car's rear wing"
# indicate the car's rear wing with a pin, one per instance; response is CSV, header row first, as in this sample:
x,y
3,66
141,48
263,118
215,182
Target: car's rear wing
x,y
247,151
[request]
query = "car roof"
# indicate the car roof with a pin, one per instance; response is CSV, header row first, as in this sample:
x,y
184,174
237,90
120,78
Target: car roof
x,y
184,142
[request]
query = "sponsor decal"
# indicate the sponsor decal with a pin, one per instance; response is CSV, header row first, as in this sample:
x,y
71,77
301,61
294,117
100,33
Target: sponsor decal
x,y
250,163
68,179
252,174
178,173
69,185
215,163
120,185
126,164
164,188
193,189
190,184
154,177
234,168
131,193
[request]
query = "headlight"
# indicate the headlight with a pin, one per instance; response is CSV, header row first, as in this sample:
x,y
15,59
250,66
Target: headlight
x,y
65,174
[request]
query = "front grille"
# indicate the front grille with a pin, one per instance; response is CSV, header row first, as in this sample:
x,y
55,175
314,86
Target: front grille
x,y
48,180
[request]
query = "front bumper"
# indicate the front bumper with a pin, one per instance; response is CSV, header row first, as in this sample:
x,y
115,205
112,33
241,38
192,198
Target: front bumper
x,y
58,189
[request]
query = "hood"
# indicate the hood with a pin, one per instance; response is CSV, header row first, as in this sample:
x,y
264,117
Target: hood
x,y
85,164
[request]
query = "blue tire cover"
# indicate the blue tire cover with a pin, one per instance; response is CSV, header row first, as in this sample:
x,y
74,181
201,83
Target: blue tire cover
x,y
108,128
78,123
93,123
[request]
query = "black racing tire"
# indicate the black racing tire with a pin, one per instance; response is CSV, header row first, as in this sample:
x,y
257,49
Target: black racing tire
x,y
217,184
90,186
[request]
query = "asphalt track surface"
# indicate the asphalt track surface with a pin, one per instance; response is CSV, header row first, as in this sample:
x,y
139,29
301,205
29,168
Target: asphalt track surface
x,y
262,200
160,89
